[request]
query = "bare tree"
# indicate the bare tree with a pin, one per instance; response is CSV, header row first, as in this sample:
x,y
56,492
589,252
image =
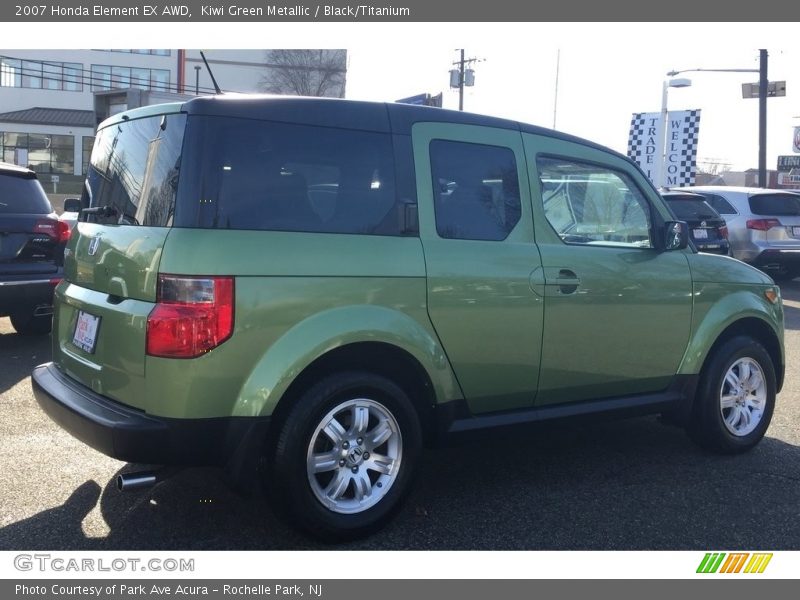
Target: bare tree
x,y
305,72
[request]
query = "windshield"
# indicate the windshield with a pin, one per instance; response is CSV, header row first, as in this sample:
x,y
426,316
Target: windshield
x,y
22,195
134,171
691,209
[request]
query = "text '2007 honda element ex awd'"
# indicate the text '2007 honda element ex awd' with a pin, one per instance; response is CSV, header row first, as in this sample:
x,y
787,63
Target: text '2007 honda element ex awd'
x,y
307,291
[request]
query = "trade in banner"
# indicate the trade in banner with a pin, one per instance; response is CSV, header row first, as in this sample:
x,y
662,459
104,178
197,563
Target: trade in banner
x,y
680,145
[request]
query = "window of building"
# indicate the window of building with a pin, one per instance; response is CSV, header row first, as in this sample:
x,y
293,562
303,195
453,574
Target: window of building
x,y
159,52
105,77
593,205
475,190
46,75
44,153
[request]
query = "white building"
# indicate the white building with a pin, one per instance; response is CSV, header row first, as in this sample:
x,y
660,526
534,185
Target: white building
x,y
51,100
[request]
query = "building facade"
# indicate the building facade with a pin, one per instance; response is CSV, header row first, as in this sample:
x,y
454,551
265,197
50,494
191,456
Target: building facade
x,y
52,100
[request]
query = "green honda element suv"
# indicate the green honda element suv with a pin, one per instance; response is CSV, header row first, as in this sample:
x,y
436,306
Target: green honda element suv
x,y
308,291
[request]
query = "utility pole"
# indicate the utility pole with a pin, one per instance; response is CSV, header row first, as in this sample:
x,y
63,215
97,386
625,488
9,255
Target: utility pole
x,y
462,76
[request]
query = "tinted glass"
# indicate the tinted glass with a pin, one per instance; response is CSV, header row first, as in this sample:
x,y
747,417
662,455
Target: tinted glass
x,y
475,190
591,204
22,195
690,209
282,177
134,170
775,204
719,204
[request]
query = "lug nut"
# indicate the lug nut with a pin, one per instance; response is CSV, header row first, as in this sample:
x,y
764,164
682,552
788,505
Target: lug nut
x,y
366,455
379,484
360,440
341,463
355,469
346,445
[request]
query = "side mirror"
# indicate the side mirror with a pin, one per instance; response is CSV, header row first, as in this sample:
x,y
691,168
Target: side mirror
x,y
72,205
676,235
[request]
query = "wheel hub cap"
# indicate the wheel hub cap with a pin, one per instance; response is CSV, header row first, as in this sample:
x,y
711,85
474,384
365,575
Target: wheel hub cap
x,y
354,456
743,396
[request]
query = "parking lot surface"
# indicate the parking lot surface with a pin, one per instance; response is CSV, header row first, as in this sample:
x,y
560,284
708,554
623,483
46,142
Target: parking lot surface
x,y
625,485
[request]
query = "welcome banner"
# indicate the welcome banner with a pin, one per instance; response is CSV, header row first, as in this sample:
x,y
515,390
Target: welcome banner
x,y
680,145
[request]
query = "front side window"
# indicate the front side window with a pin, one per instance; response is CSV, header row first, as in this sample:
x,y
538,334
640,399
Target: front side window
x,y
593,205
272,176
475,190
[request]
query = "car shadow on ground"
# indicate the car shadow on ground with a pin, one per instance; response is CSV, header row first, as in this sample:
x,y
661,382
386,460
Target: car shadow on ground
x,y
21,353
628,485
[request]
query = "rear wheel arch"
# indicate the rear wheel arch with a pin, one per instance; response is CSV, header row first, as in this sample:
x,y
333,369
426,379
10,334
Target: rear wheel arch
x,y
380,358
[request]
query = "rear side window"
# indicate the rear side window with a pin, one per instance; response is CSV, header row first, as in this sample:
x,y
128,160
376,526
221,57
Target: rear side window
x,y
475,190
274,176
719,204
134,171
691,209
22,195
779,205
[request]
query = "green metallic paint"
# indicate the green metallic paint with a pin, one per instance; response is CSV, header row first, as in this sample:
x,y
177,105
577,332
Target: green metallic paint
x,y
116,368
479,296
126,261
599,334
725,291
283,324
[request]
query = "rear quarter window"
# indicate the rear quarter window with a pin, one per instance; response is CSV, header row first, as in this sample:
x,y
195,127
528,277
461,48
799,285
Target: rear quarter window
x,y
22,195
274,176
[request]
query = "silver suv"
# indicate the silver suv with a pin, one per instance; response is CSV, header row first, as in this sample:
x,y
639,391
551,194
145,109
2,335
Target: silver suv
x,y
763,226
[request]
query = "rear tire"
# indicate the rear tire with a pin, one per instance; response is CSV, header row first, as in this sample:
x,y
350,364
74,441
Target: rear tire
x,y
28,324
735,398
785,273
345,456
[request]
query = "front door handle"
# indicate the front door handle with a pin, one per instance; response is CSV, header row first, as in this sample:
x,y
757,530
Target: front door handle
x,y
566,280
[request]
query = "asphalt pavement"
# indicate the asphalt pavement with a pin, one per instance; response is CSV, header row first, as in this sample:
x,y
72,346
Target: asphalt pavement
x,y
626,485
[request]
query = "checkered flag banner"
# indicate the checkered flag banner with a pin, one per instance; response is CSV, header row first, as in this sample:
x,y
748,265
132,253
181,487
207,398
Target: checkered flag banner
x,y
684,128
680,145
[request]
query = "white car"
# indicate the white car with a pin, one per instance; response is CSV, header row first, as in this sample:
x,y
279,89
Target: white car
x,y
763,226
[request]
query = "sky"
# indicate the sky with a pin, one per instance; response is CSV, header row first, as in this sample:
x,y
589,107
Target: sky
x,y
607,71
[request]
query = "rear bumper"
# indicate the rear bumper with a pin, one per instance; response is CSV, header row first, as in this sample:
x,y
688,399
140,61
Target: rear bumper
x,y
130,435
26,293
776,256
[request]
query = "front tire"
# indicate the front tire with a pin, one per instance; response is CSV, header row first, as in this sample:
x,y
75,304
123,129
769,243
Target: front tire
x,y
345,455
735,399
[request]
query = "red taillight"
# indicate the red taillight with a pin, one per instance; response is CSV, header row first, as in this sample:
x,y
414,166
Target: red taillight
x,y
192,316
58,230
723,231
763,224
63,231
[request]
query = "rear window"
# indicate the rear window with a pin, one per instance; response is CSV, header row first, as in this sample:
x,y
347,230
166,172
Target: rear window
x,y
22,195
134,171
691,209
779,205
273,176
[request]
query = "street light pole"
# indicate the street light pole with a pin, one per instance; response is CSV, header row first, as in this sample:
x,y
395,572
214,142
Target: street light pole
x,y
763,91
461,82
660,178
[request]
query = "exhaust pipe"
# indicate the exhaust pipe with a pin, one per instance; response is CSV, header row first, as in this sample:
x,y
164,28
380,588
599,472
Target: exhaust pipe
x,y
127,482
